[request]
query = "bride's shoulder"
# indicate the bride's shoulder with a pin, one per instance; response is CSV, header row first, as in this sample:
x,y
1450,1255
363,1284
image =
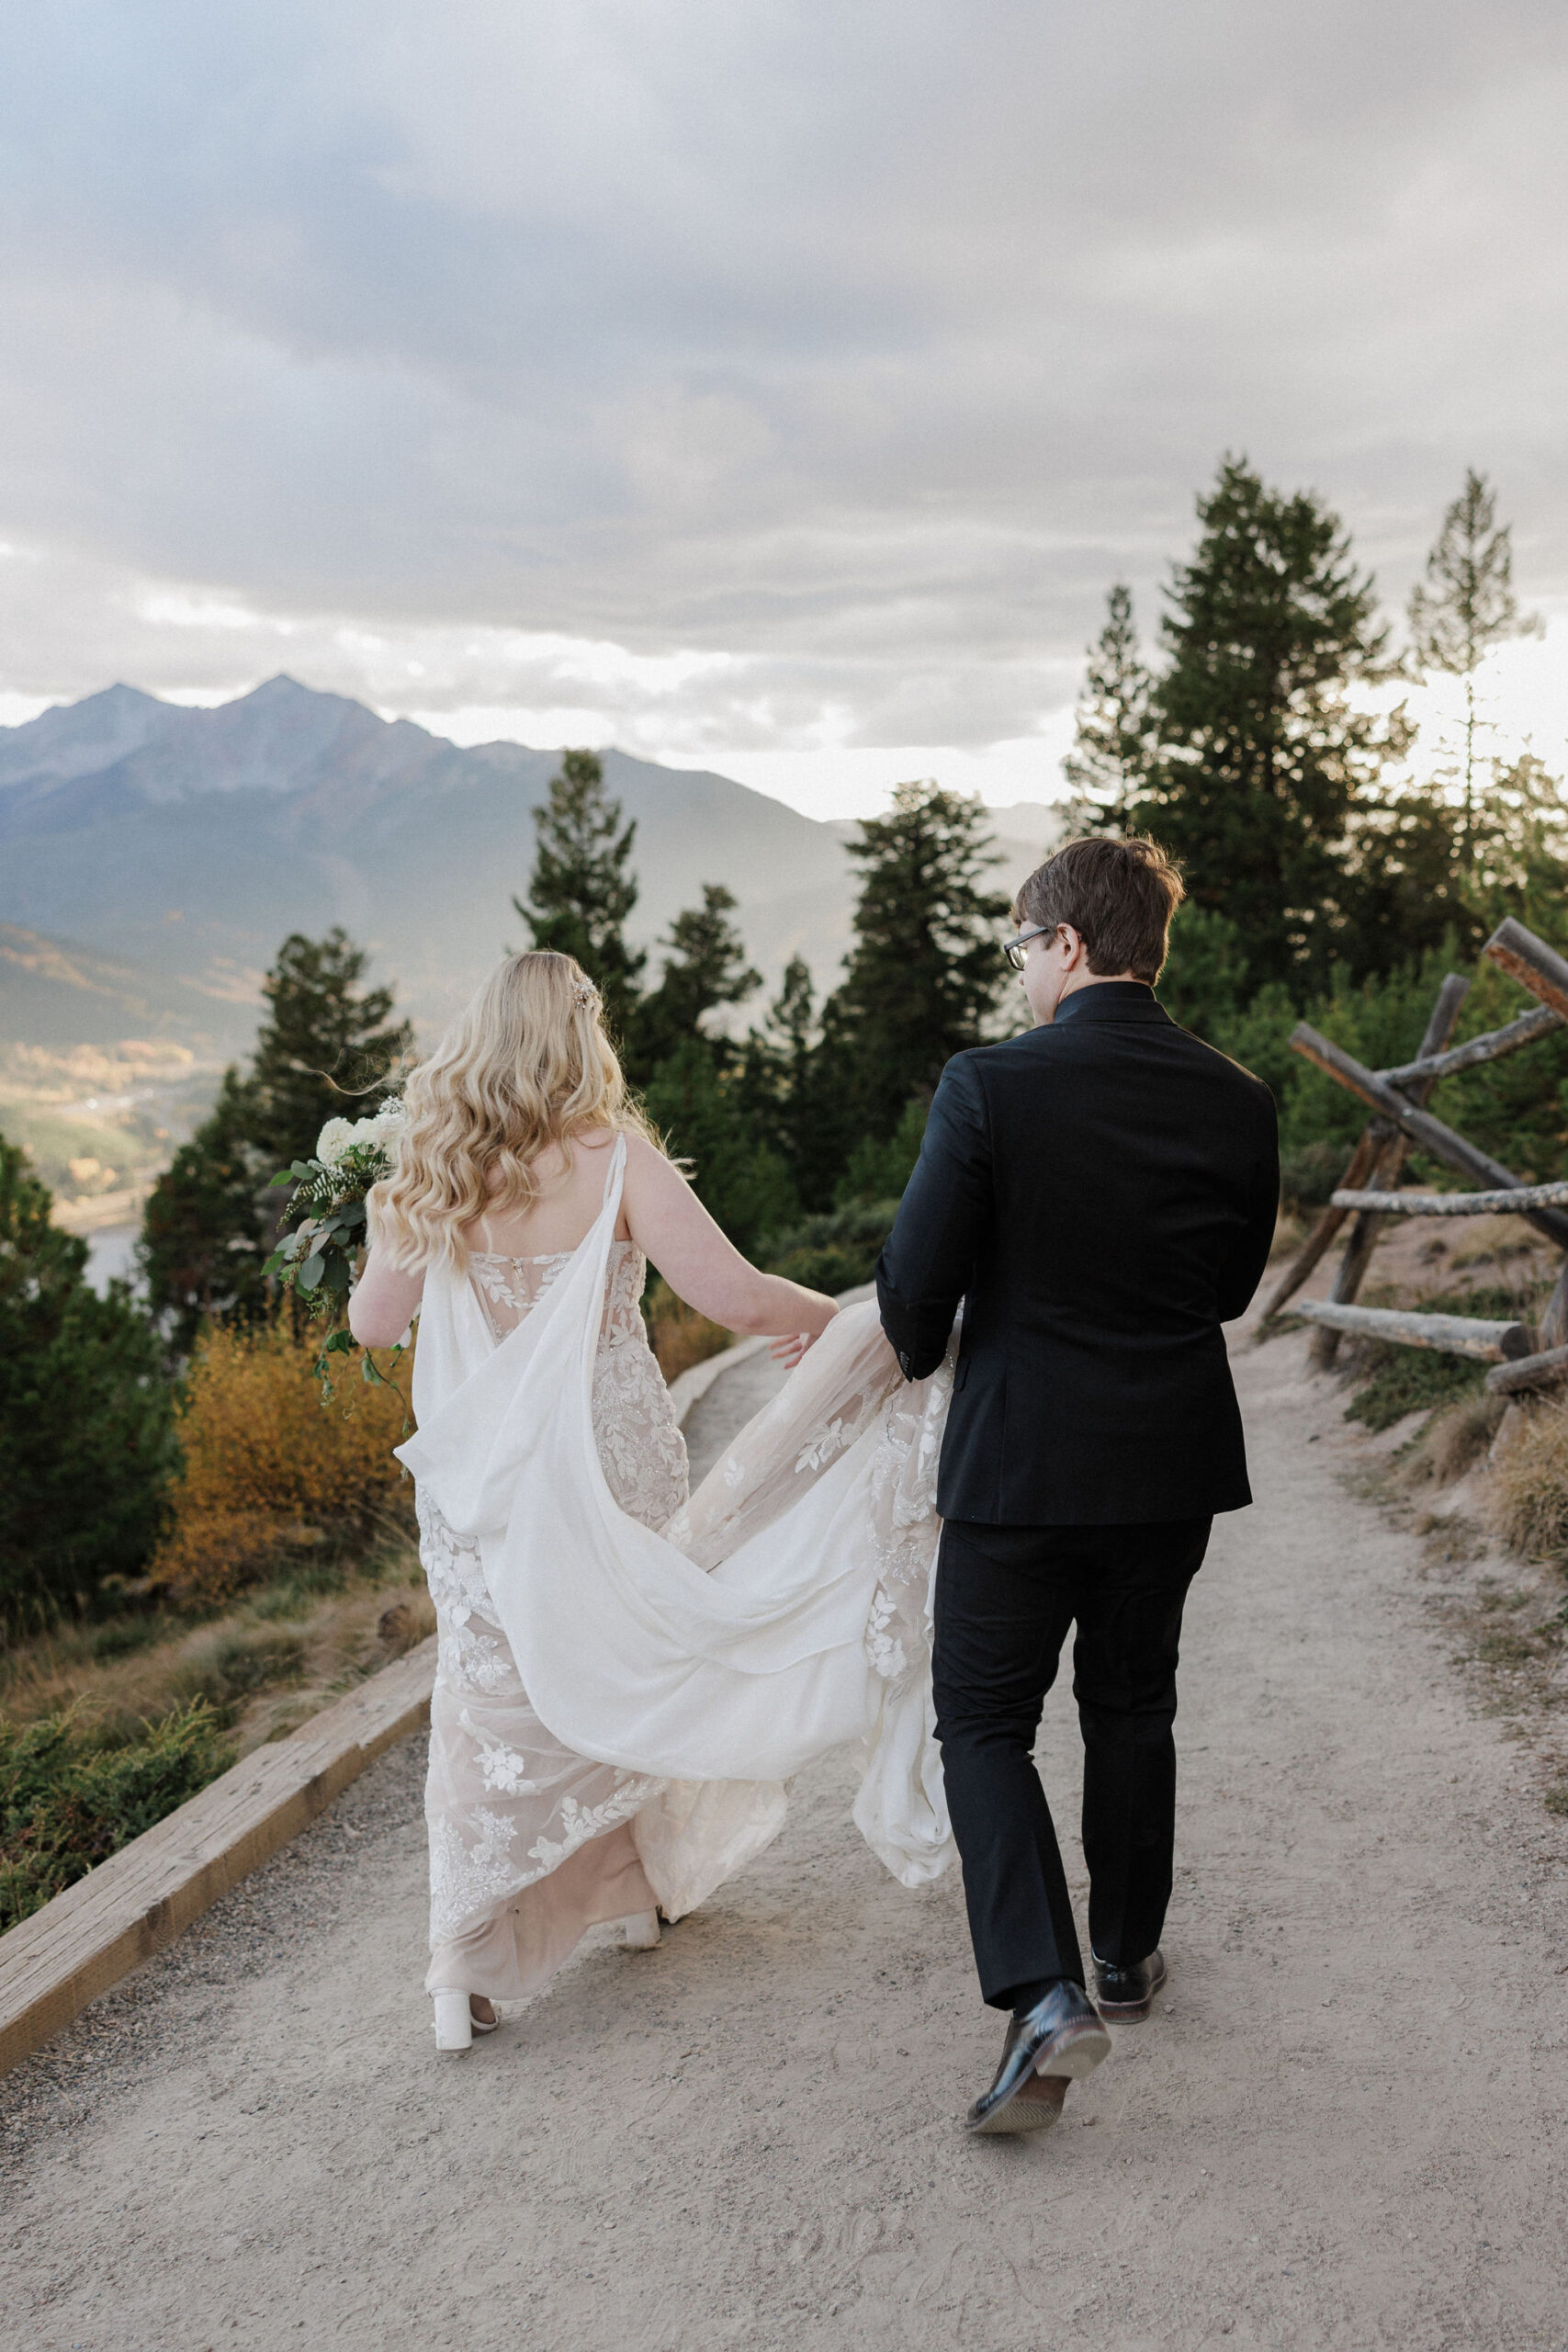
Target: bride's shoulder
x,y
644,1158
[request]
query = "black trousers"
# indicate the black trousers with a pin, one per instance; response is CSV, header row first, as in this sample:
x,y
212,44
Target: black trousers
x,y
1005,1598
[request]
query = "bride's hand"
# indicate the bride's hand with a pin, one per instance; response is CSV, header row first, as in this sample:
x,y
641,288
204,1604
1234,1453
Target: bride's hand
x,y
790,1346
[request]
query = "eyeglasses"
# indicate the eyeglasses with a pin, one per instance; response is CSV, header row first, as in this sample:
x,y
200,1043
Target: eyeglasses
x,y
1013,948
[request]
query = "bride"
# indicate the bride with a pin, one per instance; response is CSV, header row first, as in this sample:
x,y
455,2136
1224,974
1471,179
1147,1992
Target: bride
x,y
628,1676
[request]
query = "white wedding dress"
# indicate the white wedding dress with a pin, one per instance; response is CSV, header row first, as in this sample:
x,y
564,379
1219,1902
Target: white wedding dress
x,y
627,1679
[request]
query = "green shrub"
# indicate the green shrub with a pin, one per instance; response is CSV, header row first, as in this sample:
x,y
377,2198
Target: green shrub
x,y
1404,1380
68,1801
879,1171
1309,1175
837,1251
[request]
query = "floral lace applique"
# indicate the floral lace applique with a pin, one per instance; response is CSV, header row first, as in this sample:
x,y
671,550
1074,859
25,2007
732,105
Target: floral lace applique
x,y
580,1822
467,1879
502,1767
823,1446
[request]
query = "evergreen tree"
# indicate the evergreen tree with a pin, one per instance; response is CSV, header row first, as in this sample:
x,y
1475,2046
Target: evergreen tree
x,y
86,1417
740,1180
1410,888
706,968
1464,608
926,967
1262,758
1204,979
582,889
326,1049
207,1229
781,1088
1115,737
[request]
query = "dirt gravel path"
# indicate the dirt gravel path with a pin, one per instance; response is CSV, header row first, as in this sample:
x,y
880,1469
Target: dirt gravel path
x,y
1347,2127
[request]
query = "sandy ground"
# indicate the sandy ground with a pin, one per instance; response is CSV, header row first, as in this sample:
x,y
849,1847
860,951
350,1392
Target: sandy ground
x,y
1347,2126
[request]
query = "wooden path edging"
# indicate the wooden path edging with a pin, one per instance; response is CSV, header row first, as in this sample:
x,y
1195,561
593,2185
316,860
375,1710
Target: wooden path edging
x,y
95,1931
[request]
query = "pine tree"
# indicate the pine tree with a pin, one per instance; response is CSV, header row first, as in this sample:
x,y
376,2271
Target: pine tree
x,y
926,967
87,1416
207,1226
326,1050
582,889
740,1180
1467,606
1115,737
706,968
1263,759
778,1089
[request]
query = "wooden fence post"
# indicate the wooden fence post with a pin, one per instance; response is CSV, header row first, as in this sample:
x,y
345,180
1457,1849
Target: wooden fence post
x,y
1353,1265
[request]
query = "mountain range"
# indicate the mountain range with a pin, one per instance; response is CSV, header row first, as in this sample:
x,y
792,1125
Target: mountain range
x,y
153,856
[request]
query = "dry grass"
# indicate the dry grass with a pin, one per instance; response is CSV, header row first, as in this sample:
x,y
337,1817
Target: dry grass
x,y
270,1469
1496,1242
1453,1440
265,1664
1529,1486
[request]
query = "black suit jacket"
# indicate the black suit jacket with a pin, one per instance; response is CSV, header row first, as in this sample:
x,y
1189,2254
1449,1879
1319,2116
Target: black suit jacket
x,y
1101,1193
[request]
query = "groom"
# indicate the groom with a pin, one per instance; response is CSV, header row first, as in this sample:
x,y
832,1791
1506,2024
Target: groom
x,y
1100,1191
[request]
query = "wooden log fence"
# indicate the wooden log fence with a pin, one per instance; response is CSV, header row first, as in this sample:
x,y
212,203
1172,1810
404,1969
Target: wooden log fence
x,y
1320,1240
1369,1188
1524,1196
1490,1046
1422,1128
1351,1270
1378,1157
1452,1335
1532,963
1526,1373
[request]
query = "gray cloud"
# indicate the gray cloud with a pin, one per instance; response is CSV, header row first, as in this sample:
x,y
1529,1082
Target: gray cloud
x,y
855,349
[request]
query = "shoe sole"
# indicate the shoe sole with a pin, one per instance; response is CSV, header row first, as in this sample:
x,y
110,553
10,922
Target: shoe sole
x,y
1079,2051
1026,2111
1128,2012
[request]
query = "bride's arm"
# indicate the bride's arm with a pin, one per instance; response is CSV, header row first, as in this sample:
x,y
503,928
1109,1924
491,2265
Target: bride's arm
x,y
670,1227
384,1303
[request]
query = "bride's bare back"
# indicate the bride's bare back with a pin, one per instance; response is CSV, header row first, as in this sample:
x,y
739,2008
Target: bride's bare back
x,y
659,1213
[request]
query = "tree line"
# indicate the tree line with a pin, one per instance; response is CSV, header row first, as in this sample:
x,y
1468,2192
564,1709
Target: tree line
x,y
1336,865
1262,743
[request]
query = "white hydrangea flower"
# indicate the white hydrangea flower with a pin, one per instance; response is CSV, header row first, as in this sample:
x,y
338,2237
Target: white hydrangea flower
x,y
334,1140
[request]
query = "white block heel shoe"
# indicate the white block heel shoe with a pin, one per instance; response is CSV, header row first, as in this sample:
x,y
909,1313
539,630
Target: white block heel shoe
x,y
640,1932
453,2025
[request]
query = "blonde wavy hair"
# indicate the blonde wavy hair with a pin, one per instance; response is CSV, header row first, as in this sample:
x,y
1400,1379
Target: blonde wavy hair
x,y
525,1066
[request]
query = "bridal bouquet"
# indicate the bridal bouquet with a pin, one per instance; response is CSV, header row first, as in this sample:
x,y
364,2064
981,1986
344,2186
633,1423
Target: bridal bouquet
x,y
319,1255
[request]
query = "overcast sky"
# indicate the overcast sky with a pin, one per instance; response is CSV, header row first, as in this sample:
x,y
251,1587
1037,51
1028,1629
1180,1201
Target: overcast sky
x,y
773,385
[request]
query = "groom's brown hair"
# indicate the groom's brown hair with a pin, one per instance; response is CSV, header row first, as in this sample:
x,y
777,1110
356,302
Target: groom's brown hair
x,y
1118,895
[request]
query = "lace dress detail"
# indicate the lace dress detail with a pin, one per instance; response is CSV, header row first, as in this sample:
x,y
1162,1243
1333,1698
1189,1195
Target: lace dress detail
x,y
506,1805
703,1648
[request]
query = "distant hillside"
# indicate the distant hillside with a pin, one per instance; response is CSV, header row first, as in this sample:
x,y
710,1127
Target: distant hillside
x,y
183,845
56,993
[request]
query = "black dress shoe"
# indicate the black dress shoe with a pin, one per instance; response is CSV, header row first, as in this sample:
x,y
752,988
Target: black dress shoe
x,y
1128,1992
1057,2042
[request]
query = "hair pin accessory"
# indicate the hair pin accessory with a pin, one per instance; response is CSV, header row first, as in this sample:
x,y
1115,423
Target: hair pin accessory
x,y
587,995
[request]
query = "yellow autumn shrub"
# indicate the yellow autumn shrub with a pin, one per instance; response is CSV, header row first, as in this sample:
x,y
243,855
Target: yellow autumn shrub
x,y
268,1465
